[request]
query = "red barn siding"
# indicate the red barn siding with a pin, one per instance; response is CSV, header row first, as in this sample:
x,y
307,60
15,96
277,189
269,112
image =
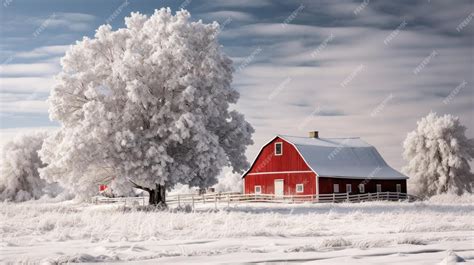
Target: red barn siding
x,y
290,160
289,183
326,185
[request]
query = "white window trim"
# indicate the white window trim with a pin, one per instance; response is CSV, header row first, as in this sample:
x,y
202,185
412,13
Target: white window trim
x,y
348,188
255,189
335,188
378,187
399,187
362,188
302,188
281,149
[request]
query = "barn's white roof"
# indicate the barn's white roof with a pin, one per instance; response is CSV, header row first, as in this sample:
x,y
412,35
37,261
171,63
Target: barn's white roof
x,y
343,157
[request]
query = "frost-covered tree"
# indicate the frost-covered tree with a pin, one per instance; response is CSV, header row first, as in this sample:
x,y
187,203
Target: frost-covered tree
x,y
19,176
147,106
438,154
229,182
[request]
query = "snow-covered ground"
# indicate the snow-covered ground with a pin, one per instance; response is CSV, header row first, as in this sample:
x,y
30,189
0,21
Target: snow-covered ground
x,y
434,232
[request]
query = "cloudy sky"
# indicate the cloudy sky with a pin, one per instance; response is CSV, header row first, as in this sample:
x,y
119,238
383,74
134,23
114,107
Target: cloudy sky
x,y
345,68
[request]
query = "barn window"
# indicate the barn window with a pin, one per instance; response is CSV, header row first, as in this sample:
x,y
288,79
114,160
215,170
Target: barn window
x,y
361,188
278,149
399,187
348,188
299,188
336,188
379,187
258,189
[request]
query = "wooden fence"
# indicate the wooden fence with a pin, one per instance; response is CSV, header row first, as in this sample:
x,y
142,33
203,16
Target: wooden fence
x,y
232,198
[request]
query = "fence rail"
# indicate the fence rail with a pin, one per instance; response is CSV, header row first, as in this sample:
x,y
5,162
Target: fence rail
x,y
233,197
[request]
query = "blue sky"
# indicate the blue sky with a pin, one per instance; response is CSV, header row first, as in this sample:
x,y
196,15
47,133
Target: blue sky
x,y
345,68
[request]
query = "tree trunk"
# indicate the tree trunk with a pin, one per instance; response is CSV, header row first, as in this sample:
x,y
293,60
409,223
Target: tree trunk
x,y
448,177
157,196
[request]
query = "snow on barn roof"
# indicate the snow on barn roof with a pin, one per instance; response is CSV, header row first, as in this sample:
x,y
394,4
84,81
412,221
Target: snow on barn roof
x,y
343,158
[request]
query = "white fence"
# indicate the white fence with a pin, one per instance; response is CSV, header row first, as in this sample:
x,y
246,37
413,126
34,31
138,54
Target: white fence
x,y
232,198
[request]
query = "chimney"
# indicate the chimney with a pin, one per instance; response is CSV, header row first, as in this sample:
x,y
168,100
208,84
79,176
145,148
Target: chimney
x,y
314,134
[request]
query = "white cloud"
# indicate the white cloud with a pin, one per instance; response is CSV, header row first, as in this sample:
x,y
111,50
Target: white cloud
x,y
221,16
271,29
237,3
24,106
26,84
71,16
45,51
29,69
70,21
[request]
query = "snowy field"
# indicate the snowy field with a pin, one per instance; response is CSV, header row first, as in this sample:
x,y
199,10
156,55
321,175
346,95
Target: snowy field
x,y
434,232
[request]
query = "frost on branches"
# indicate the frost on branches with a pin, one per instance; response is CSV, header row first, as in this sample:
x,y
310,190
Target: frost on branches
x,y
19,177
146,106
438,155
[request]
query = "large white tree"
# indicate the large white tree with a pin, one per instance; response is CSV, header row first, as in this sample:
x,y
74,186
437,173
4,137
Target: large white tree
x,y
147,106
438,154
19,176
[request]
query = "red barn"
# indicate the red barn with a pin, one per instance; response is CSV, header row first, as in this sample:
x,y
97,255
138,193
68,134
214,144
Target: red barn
x,y
290,165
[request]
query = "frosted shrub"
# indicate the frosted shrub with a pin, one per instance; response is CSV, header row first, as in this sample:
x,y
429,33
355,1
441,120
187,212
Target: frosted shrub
x,y
19,177
229,182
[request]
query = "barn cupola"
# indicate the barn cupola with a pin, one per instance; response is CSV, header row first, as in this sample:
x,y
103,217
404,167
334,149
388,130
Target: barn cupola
x,y
314,134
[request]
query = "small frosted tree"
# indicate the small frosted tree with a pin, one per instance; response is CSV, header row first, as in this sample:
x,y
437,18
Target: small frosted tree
x,y
229,182
19,176
147,106
438,155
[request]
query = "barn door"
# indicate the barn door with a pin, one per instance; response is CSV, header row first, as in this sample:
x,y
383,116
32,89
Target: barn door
x,y
278,188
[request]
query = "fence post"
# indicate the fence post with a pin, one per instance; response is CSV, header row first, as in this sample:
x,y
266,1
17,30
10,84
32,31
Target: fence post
x,y
228,200
377,196
192,199
334,197
347,195
203,199
388,196
215,201
179,202
317,197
